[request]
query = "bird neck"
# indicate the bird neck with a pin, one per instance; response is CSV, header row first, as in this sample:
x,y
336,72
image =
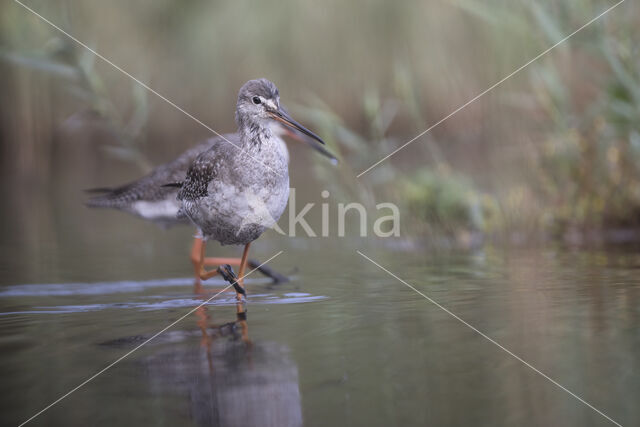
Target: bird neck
x,y
255,135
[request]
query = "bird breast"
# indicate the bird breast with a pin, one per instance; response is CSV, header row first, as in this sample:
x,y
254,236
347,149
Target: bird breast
x,y
246,200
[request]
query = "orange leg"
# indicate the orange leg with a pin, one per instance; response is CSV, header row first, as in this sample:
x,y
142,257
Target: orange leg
x,y
204,274
199,261
197,258
243,267
196,248
196,251
220,261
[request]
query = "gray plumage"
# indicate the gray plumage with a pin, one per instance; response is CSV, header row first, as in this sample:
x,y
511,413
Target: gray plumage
x,y
148,197
234,191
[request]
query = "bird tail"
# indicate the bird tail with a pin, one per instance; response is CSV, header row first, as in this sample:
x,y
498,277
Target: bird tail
x,y
110,197
99,190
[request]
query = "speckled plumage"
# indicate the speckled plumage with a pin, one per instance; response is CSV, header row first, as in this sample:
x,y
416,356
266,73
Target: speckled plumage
x,y
232,193
147,197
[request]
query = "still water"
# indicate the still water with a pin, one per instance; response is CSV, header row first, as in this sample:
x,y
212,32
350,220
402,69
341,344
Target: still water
x,y
343,343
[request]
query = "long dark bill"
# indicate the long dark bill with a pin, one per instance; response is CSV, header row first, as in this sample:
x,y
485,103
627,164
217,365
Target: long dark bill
x,y
284,117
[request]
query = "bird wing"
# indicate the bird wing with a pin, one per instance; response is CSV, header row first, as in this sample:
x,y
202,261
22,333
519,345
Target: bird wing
x,y
201,172
151,186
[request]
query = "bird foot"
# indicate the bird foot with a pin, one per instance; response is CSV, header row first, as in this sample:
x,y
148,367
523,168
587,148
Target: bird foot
x,y
229,275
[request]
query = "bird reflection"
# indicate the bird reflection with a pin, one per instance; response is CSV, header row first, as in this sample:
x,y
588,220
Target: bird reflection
x,y
228,379
236,331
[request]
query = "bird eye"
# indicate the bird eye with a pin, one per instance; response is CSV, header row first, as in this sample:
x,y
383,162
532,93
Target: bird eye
x,y
256,100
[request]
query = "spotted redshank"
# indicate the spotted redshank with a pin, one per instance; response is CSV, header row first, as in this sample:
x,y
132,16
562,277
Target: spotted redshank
x,y
150,199
234,192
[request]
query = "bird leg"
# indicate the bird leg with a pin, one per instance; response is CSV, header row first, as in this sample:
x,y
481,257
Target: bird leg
x,y
227,274
196,250
221,261
243,266
197,258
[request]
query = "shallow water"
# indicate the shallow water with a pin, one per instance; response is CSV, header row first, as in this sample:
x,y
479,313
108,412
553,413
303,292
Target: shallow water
x,y
343,343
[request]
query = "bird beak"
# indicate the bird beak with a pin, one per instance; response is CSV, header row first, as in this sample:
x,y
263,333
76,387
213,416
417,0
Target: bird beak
x,y
298,136
283,117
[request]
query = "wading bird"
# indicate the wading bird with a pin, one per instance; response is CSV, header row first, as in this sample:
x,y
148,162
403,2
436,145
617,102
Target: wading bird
x,y
150,199
236,189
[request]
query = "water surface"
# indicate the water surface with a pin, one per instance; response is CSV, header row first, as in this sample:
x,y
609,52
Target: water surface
x,y
343,343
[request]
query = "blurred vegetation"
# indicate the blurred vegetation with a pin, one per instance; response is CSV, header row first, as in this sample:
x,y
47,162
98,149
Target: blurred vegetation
x,y
73,68
554,149
446,202
588,160
581,158
435,200
587,175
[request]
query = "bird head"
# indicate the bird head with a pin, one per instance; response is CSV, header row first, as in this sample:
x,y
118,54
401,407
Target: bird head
x,y
259,106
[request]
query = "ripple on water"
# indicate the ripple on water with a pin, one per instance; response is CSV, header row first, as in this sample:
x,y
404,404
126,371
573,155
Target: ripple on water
x,y
103,288
140,302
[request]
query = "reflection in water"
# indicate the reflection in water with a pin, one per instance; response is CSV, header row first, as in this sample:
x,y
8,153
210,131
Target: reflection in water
x,y
359,348
229,380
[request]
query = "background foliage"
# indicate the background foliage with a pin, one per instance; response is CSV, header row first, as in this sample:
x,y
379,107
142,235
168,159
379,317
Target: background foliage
x,y
554,149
